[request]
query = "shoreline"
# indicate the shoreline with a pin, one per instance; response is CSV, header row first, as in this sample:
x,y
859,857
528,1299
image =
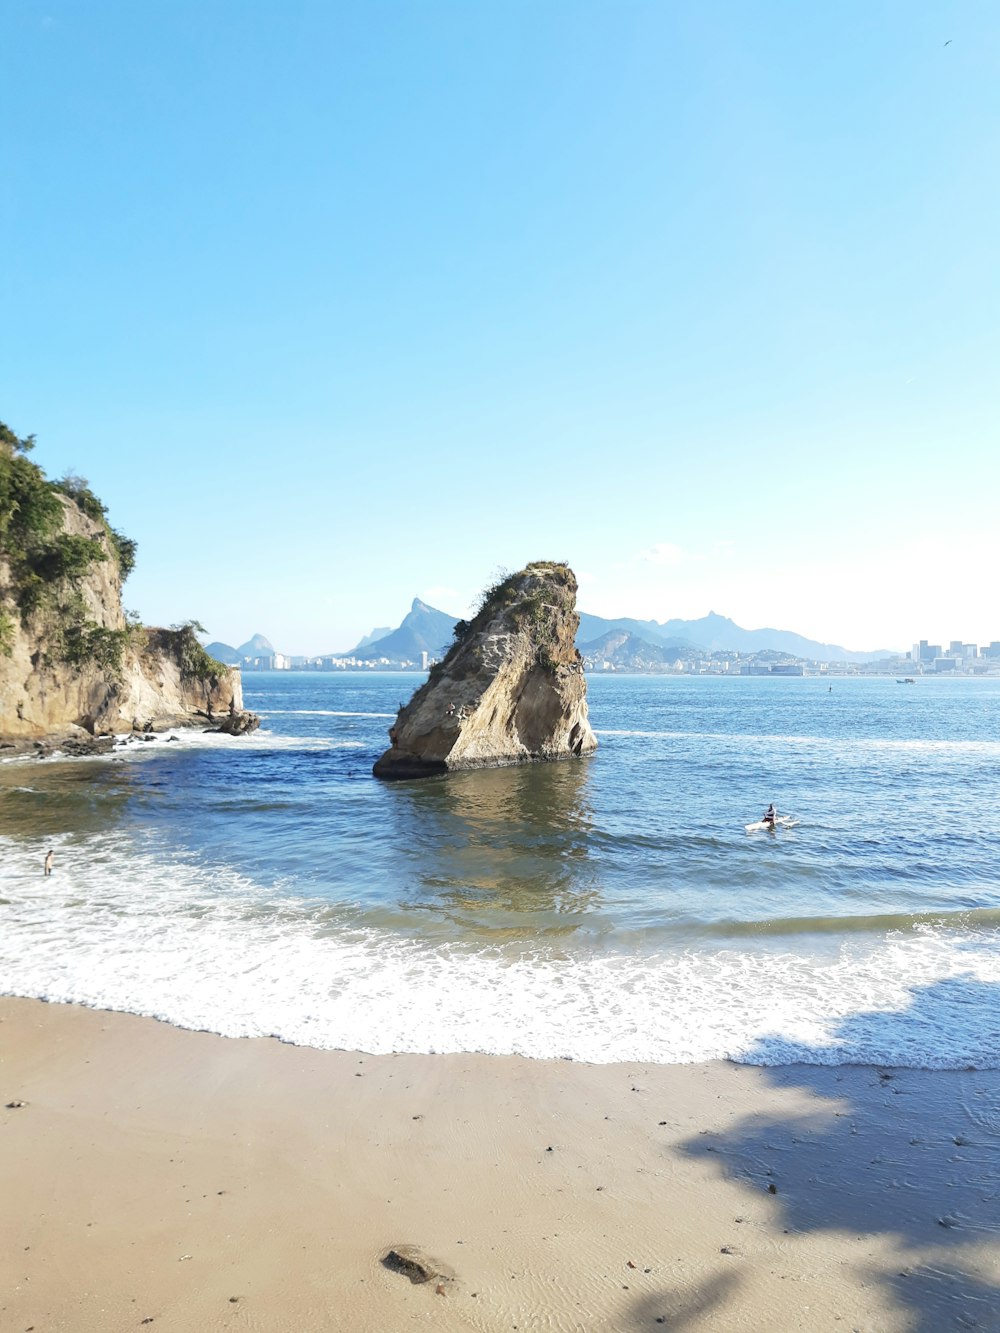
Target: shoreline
x,y
73,741
198,1181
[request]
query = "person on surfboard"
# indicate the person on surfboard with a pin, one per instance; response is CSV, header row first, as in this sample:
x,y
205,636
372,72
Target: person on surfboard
x,y
770,816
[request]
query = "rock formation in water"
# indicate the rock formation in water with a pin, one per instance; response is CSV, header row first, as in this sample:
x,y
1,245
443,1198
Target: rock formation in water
x,y
511,688
71,663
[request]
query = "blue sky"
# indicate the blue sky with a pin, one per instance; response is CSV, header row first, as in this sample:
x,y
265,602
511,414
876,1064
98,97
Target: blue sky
x,y
338,304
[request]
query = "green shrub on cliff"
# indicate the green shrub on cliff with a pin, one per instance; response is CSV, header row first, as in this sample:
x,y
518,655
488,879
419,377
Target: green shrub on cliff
x,y
32,517
30,510
181,643
79,641
508,589
66,557
530,608
6,634
78,490
125,549
45,565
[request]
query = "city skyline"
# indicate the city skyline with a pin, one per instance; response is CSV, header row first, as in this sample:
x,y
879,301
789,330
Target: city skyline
x,y
921,650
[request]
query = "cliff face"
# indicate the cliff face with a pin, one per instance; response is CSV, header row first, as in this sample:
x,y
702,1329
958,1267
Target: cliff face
x,y
510,690
152,692
68,656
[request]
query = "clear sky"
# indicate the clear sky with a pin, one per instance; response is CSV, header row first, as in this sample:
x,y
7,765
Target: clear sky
x,y
336,304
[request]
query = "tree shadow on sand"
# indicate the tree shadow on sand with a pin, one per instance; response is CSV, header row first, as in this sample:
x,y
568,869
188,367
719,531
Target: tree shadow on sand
x,y
910,1155
697,1308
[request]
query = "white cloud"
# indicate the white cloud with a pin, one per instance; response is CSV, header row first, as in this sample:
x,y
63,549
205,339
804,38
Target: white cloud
x,y
666,553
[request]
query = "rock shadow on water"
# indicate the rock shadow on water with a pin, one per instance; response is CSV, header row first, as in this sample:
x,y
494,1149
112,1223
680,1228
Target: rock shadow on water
x,y
504,849
908,1154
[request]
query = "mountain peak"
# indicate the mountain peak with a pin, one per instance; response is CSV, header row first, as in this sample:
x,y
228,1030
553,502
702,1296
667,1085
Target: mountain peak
x,y
424,629
256,646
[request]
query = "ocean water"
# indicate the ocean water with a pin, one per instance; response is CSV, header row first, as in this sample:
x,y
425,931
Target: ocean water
x,y
608,909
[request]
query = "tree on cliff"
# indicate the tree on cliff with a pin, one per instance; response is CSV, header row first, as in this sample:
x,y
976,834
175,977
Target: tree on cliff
x,y
43,565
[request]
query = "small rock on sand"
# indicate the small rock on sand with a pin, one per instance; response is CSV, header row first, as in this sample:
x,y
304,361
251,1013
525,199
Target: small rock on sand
x,y
413,1263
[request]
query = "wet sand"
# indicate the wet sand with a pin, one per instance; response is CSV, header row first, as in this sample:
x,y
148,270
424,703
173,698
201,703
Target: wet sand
x,y
180,1181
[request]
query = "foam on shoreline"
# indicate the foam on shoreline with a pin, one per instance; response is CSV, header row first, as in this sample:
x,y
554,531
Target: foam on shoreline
x,y
124,926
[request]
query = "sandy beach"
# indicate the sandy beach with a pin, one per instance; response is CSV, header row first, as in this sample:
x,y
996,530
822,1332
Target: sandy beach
x,y
179,1181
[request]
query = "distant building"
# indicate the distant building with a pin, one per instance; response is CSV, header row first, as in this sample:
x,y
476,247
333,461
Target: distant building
x,y
962,650
925,652
268,662
772,669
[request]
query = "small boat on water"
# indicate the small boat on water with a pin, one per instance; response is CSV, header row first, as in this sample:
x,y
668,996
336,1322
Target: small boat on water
x,y
907,680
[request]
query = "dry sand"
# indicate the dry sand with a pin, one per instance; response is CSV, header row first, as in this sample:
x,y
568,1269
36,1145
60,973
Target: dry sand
x,y
181,1181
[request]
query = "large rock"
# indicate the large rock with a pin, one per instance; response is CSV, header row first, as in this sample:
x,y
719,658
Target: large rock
x,y
160,678
510,690
238,723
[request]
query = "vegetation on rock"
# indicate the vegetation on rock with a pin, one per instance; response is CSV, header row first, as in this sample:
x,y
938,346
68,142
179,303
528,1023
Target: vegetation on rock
x,y
529,602
510,689
79,641
78,490
44,567
6,634
181,643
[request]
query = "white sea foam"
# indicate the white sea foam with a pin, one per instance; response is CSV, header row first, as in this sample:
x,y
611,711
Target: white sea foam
x,y
854,744
133,929
190,738
187,738
315,712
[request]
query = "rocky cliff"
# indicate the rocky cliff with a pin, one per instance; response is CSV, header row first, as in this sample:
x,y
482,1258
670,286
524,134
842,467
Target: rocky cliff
x,y
511,688
70,660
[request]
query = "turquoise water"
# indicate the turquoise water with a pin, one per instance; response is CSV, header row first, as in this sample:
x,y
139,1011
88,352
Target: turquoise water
x,y
611,908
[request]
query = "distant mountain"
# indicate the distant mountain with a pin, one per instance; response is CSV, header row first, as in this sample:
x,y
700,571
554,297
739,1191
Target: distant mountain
x,y
224,652
714,633
375,635
424,630
631,652
625,642
257,646
593,627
